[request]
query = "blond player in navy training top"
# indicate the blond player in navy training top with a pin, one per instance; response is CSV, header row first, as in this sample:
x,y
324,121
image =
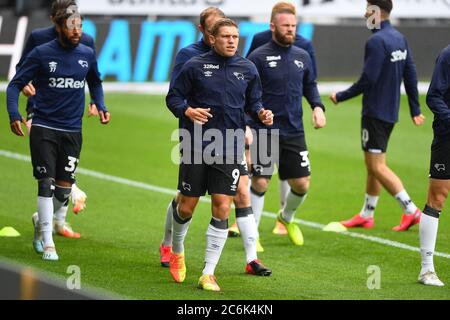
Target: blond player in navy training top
x,y
212,93
387,62
260,39
438,100
60,70
287,74
244,213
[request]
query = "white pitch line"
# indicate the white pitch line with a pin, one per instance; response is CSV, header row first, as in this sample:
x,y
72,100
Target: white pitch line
x,y
145,186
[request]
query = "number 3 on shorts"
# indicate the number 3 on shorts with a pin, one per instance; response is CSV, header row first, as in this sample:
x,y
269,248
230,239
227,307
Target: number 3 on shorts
x,y
72,163
305,160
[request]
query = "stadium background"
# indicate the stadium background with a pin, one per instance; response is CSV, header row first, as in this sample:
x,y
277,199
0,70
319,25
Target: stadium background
x,y
136,45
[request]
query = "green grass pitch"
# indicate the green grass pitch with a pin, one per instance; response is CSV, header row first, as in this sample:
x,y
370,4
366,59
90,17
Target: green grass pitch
x,y
123,225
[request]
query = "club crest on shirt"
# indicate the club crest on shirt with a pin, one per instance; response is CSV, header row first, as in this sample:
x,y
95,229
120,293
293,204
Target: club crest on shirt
x,y
440,167
83,63
299,64
239,75
52,65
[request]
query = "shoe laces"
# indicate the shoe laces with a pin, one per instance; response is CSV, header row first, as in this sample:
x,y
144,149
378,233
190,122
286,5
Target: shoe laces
x,y
67,226
431,275
176,261
165,249
211,279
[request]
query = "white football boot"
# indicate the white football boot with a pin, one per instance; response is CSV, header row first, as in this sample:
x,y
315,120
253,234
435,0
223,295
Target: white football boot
x,y
37,240
430,278
50,254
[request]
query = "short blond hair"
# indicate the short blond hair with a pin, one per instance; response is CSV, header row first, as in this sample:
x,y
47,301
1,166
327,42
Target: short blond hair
x,y
282,7
224,22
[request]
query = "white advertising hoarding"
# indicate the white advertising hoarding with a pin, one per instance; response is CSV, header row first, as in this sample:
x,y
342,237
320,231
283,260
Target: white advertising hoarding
x,y
356,8
239,8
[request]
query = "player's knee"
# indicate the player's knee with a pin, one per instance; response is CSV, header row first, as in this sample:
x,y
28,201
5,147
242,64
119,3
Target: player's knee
x,y
437,197
62,194
375,168
301,186
221,210
242,197
242,200
260,185
185,210
46,187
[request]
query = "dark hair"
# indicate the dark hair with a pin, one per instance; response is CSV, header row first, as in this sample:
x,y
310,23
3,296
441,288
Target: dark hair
x,y
64,13
385,5
210,12
59,5
224,22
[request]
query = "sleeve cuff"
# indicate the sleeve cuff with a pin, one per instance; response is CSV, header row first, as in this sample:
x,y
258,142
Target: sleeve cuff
x,y
320,105
181,111
15,117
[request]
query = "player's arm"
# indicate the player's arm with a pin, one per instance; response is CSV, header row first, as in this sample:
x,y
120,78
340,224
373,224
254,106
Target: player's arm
x,y
92,109
178,93
24,74
253,100
254,44
28,90
96,89
311,93
373,64
440,84
312,55
180,60
410,81
29,46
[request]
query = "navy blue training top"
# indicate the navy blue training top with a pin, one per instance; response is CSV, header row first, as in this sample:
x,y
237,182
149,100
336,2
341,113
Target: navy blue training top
x,y
229,86
185,54
264,37
438,97
59,76
387,62
41,36
286,75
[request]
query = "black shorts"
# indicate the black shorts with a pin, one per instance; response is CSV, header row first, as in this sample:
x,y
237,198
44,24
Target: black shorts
x,y
195,179
375,134
291,158
243,168
440,159
54,154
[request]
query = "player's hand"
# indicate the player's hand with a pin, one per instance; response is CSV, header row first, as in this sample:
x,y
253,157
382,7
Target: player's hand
x,y
105,117
198,115
28,125
248,136
92,110
16,127
29,90
266,117
333,98
318,118
419,120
